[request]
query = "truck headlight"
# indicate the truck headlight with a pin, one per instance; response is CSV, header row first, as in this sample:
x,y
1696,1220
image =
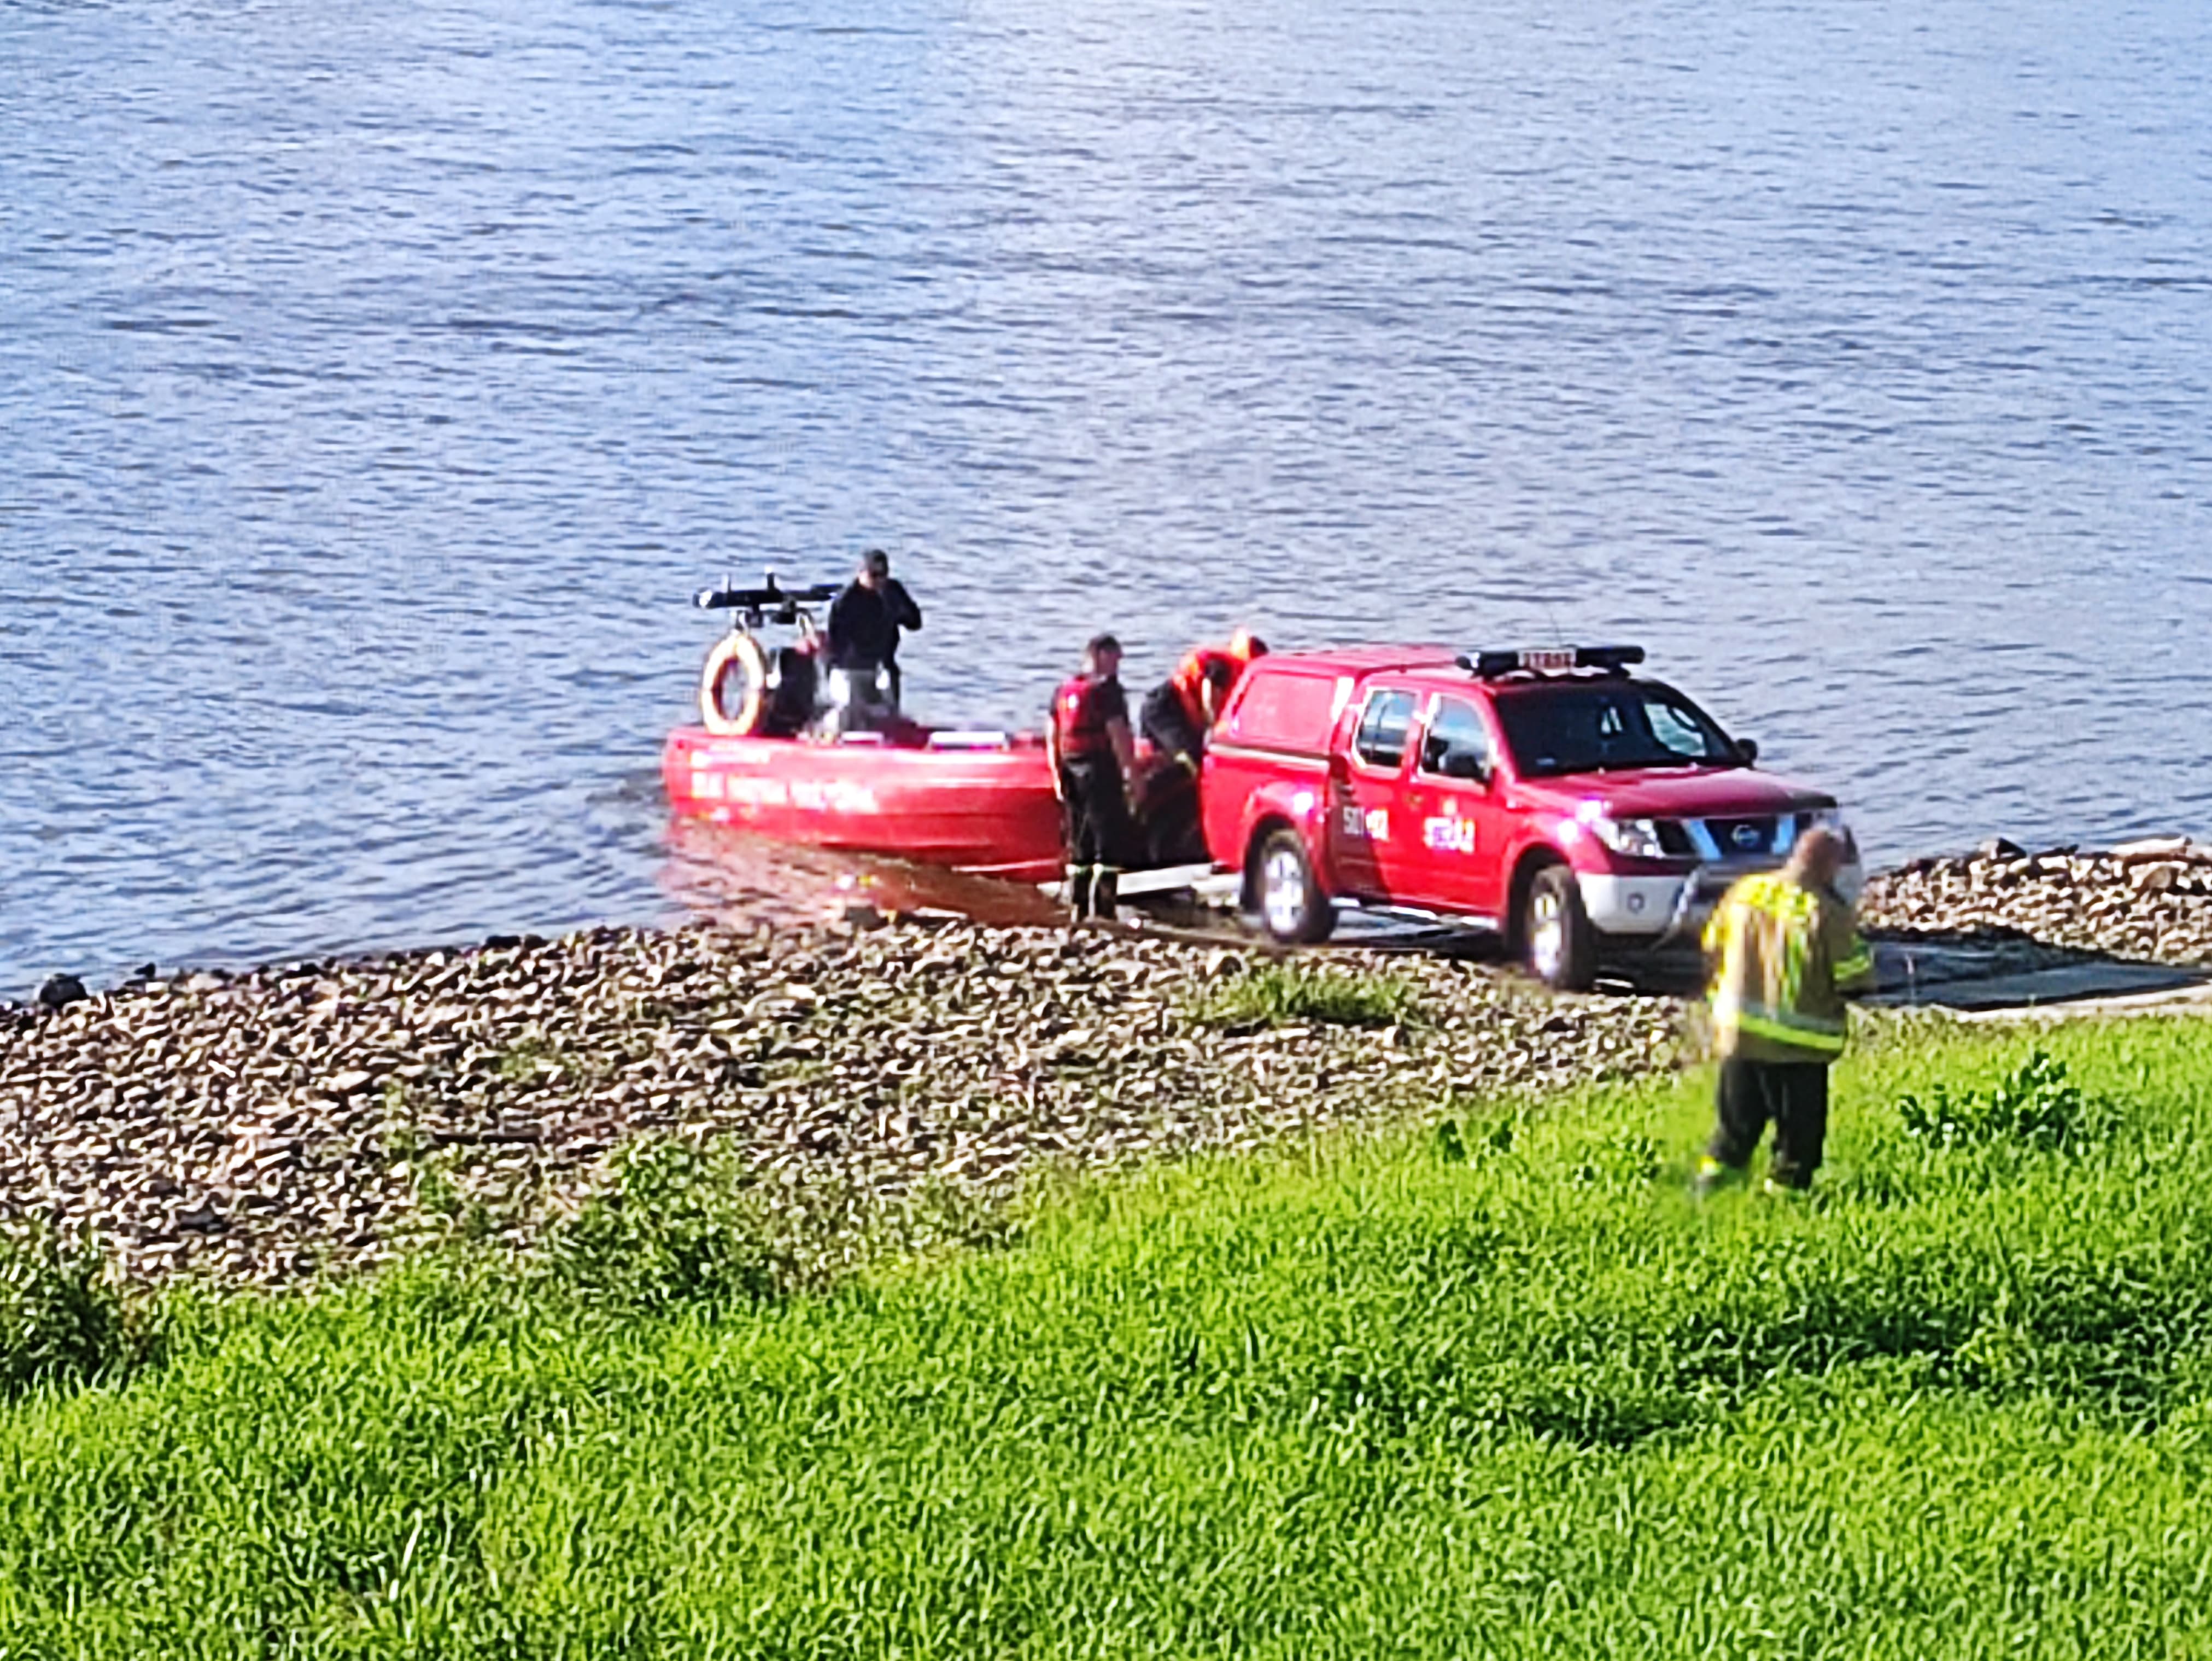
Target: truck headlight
x,y
1638,838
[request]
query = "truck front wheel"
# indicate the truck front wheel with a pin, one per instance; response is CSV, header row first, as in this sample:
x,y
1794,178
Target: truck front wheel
x,y
1556,931
1293,908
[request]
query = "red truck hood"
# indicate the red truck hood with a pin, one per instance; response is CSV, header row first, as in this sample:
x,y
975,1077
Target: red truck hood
x,y
1673,793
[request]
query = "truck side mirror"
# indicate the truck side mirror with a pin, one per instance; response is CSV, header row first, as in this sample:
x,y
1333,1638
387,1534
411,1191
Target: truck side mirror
x,y
1746,751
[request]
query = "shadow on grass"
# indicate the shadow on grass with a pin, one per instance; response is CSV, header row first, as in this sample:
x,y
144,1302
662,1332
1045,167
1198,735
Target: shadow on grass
x,y
65,1318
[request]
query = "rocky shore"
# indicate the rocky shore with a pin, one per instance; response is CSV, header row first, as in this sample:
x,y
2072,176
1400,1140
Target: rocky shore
x,y
293,1120
270,1125
2149,900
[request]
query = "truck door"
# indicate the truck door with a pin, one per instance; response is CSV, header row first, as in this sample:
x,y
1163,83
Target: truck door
x,y
1455,827
1366,819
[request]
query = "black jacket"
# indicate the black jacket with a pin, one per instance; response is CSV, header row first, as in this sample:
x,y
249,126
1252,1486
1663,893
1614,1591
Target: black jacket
x,y
865,624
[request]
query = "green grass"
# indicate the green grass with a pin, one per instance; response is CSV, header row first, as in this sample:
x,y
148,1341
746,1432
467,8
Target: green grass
x,y
64,1317
1300,994
1482,1394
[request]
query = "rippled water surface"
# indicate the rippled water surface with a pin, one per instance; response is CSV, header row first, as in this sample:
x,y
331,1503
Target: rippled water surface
x,y
376,381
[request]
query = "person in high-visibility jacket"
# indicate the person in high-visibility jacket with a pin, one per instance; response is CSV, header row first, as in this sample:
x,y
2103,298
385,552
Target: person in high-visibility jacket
x,y
1784,951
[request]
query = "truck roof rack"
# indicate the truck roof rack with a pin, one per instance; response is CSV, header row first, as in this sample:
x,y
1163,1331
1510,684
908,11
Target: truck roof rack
x,y
1549,660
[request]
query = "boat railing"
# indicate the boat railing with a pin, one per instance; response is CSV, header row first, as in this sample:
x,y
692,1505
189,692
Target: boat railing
x,y
769,602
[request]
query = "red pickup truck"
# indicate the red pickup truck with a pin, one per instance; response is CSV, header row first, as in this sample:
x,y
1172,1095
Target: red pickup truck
x,y
1587,814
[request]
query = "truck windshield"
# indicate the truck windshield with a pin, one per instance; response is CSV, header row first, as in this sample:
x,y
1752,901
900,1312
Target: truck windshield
x,y
1609,727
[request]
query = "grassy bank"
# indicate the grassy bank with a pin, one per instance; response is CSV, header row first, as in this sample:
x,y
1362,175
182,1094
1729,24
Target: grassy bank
x,y
1497,1389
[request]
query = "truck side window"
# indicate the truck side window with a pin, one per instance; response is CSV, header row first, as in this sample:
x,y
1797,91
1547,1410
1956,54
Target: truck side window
x,y
1383,724
1457,743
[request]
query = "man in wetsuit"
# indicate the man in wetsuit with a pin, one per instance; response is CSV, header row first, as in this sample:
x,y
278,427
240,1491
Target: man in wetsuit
x,y
1176,717
1179,711
865,619
1088,745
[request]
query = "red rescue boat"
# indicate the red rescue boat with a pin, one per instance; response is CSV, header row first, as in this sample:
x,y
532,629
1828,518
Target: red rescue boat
x,y
788,749
973,807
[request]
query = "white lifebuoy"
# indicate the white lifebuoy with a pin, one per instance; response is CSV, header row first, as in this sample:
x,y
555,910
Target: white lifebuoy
x,y
742,653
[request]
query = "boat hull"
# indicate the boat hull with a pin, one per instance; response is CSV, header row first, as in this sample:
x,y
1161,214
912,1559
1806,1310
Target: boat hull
x,y
989,811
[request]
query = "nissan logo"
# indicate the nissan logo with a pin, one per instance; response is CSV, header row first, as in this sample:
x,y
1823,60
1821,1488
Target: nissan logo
x,y
1745,835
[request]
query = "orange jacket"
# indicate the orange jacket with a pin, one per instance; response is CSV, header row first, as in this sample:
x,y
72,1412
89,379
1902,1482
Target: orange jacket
x,y
1190,678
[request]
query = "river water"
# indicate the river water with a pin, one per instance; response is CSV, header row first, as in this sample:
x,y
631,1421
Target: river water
x,y
377,381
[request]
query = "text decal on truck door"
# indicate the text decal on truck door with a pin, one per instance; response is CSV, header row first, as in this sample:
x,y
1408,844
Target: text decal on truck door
x,y
1449,833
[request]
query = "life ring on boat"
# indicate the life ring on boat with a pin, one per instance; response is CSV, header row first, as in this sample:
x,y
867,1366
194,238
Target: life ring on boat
x,y
742,654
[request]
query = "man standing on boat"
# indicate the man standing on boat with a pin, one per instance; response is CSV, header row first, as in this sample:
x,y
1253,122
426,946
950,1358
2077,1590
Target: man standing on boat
x,y
865,621
1088,744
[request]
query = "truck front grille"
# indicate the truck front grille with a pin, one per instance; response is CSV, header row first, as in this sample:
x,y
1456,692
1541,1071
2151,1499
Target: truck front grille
x,y
1747,839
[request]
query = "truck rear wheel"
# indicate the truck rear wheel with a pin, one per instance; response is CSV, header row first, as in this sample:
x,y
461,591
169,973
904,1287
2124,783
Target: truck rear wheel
x,y
1556,932
1293,908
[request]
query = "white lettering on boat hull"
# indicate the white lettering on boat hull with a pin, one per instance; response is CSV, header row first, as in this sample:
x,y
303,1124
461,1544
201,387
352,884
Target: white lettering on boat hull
x,y
806,795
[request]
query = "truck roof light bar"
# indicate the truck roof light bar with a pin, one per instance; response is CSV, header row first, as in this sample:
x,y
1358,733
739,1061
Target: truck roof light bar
x,y
1550,660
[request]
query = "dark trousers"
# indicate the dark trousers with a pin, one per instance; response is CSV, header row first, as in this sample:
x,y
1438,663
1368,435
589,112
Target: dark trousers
x,y
1098,835
1164,720
1167,817
1792,1096
863,667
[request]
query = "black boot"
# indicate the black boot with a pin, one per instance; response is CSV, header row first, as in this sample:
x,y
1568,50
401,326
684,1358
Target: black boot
x,y
1105,888
1079,892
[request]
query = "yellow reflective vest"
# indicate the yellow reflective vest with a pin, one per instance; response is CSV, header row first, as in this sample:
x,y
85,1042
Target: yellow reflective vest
x,y
1783,957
